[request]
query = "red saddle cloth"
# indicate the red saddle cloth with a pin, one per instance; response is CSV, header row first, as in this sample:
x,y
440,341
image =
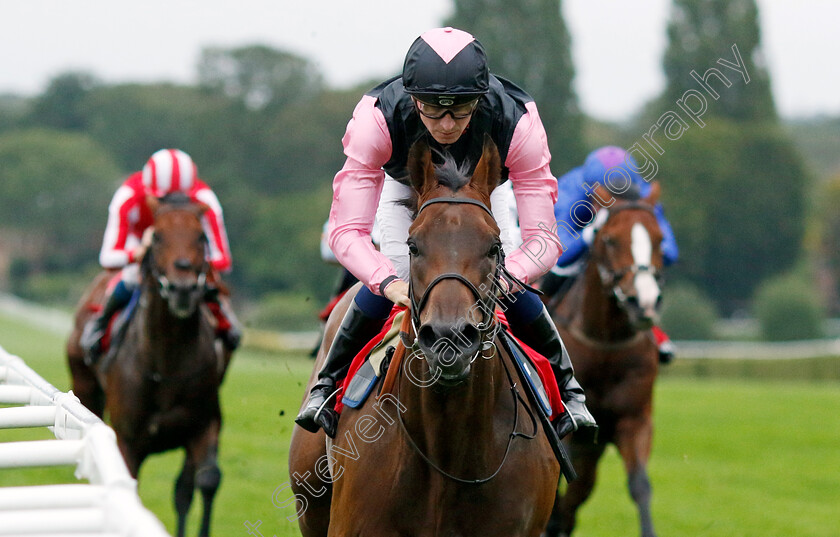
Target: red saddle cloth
x,y
540,363
105,345
325,313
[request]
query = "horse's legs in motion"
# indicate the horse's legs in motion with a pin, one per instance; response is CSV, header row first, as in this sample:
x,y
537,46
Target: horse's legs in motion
x,y
133,460
633,440
184,488
202,470
585,457
86,387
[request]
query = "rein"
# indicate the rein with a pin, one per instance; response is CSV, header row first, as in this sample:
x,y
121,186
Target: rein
x,y
416,308
164,290
517,398
165,287
611,277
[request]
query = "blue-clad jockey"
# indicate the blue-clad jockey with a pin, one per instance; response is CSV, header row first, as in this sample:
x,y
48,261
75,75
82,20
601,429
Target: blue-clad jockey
x,y
610,167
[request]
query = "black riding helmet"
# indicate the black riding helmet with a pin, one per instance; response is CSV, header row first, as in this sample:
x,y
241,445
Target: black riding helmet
x,y
446,67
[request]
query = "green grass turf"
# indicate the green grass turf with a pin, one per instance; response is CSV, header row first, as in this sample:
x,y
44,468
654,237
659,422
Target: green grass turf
x,y
732,456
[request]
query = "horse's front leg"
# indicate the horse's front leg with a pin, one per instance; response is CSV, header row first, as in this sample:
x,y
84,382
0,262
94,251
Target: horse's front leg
x,y
85,384
208,476
133,459
633,440
184,488
585,456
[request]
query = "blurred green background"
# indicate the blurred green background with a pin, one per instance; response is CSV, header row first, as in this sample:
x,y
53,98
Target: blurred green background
x,y
752,197
743,447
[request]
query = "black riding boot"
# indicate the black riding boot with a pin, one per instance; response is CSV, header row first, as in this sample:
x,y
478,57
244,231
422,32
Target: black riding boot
x,y
542,336
94,331
354,333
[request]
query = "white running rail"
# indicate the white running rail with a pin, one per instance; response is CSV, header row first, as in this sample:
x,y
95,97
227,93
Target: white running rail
x,y
107,505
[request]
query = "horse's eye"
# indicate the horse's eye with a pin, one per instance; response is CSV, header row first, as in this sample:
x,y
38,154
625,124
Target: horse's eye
x,y
412,249
494,250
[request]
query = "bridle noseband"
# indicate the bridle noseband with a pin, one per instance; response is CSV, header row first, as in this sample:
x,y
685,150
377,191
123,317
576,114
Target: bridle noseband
x,y
417,306
165,287
611,277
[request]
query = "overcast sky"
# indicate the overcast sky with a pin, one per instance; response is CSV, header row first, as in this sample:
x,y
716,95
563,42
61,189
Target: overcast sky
x,y
616,45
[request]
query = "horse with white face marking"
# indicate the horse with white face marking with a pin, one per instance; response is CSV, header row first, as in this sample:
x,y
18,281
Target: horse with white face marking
x,y
605,320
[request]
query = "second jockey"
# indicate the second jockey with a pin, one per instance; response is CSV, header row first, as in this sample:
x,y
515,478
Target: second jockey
x,y
128,236
598,168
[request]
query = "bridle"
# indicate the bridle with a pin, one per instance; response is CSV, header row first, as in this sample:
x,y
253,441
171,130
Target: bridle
x,y
488,303
611,277
167,288
488,306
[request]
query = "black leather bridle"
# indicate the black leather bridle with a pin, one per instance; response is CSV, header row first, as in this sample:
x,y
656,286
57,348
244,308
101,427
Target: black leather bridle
x,y
417,306
610,277
489,303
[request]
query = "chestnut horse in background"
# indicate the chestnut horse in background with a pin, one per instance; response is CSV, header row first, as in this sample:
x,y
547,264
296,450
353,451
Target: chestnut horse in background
x,y
456,447
160,390
605,321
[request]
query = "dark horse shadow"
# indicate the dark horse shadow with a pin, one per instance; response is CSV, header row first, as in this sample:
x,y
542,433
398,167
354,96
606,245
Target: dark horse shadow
x,y
160,390
605,321
454,447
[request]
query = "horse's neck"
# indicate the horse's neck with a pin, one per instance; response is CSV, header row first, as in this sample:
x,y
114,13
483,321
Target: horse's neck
x,y
456,427
168,336
601,318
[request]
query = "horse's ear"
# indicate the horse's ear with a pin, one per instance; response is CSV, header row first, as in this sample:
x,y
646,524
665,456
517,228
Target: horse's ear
x,y
603,198
488,171
655,190
202,208
420,167
152,203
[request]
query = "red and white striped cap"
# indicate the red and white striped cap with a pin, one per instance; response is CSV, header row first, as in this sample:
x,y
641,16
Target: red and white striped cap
x,y
169,170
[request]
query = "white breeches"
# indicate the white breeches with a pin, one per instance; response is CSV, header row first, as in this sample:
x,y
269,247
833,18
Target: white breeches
x,y
395,219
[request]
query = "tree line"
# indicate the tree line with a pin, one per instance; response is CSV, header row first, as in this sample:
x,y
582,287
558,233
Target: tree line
x,y
265,131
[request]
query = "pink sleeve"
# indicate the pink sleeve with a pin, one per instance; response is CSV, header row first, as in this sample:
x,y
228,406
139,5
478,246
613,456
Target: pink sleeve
x,y
535,189
356,190
214,227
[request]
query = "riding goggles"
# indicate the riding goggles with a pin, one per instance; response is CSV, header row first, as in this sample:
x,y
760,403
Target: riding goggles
x,y
434,111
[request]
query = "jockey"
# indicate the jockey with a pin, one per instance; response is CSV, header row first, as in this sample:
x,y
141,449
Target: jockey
x,y
128,235
597,169
447,95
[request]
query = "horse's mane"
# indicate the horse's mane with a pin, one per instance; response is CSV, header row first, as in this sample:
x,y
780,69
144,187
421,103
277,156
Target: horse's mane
x,y
449,174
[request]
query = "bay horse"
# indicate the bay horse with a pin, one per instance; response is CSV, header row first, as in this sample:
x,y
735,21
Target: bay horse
x,y
605,320
455,447
160,388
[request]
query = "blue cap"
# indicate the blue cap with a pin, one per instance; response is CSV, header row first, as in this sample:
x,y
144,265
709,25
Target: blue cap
x,y
598,165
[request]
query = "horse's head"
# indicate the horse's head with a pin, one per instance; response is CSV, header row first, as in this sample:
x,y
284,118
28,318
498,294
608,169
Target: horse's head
x,y
627,252
455,253
177,256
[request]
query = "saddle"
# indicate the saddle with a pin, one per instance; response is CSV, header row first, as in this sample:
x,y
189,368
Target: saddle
x,y
375,360
115,332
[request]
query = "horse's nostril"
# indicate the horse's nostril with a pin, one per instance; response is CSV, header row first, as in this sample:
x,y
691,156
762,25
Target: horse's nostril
x,y
470,334
183,264
427,337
